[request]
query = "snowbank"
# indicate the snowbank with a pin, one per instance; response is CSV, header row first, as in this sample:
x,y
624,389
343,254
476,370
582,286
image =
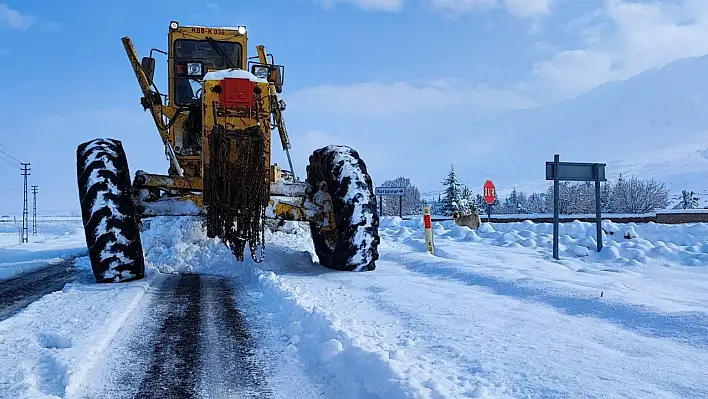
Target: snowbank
x,y
630,243
56,241
47,348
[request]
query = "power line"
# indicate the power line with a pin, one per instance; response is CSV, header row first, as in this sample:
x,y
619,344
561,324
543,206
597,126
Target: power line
x,y
13,158
16,156
13,164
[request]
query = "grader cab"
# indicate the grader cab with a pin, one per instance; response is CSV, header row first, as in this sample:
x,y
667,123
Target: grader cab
x,y
215,122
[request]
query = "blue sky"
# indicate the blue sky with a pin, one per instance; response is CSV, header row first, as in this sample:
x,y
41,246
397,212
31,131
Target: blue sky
x,y
388,77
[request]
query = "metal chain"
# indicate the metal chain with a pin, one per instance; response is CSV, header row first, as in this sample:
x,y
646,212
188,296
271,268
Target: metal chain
x,y
238,190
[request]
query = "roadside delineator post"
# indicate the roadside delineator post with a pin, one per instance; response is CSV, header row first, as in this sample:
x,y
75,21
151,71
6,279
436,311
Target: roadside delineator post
x,y
429,245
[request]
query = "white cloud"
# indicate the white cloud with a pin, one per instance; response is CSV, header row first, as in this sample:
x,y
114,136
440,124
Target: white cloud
x,y
367,5
518,8
461,6
401,98
14,19
623,39
528,8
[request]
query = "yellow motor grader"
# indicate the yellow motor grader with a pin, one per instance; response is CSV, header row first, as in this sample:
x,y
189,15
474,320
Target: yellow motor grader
x,y
215,122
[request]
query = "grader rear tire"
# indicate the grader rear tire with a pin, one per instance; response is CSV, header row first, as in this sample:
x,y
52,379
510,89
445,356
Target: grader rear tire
x,y
108,212
353,246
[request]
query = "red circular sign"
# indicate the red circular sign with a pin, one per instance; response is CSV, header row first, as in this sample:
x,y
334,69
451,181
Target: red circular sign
x,y
490,192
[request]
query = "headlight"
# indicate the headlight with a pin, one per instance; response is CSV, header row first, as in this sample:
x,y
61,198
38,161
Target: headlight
x,y
194,69
261,72
241,30
174,25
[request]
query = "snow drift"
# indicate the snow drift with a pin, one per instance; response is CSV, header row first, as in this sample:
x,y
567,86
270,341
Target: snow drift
x,y
630,243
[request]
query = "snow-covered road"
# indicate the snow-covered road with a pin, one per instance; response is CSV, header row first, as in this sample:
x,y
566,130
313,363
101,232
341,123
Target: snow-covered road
x,y
186,339
24,289
490,316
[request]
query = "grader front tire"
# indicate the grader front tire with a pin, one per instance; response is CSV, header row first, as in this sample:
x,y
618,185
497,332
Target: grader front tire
x,y
108,212
353,245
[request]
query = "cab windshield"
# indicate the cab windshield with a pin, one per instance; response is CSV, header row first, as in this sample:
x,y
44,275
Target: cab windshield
x,y
214,54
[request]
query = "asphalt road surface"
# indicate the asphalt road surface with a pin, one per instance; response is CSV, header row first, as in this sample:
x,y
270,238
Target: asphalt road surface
x,y
17,293
188,340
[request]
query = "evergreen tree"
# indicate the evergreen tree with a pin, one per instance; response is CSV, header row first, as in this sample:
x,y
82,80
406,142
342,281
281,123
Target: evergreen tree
x,y
452,195
522,204
689,200
436,206
469,202
605,197
535,204
480,204
511,203
619,194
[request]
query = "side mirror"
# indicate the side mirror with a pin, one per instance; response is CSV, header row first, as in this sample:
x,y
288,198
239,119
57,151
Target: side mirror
x,y
148,65
272,73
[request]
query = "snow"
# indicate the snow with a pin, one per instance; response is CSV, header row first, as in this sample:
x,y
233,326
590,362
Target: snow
x,y
687,244
490,315
446,330
46,347
56,240
233,73
346,167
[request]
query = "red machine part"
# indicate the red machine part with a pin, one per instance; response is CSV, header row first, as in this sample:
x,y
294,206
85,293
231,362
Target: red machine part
x,y
236,92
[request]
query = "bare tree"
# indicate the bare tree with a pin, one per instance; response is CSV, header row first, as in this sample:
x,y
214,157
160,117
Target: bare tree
x,y
639,196
411,203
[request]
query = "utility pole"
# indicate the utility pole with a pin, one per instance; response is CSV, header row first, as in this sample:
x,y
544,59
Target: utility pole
x,y
25,210
34,211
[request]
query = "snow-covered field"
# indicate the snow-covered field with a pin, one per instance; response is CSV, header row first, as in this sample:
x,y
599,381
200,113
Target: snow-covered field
x,y
491,315
57,238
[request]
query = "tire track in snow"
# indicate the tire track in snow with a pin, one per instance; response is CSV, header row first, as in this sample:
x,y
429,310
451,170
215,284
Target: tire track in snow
x,y
230,365
17,293
188,341
172,372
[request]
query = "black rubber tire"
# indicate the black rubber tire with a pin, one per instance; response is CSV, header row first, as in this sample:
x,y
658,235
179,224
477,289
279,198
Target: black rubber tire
x,y
111,228
352,195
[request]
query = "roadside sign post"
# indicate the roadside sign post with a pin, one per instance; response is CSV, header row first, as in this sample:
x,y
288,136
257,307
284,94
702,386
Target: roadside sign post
x,y
490,195
391,191
429,244
400,206
556,205
574,171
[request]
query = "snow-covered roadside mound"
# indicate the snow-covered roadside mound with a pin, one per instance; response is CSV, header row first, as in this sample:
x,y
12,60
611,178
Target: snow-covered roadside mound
x,y
56,241
46,349
631,243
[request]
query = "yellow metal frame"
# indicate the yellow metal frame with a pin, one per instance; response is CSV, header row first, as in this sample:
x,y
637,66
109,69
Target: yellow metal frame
x,y
190,186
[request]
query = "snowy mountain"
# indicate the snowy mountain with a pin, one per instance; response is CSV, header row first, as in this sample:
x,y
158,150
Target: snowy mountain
x,y
652,125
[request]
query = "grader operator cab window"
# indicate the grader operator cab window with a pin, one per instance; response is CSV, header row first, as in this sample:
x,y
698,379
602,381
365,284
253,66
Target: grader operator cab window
x,y
194,58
